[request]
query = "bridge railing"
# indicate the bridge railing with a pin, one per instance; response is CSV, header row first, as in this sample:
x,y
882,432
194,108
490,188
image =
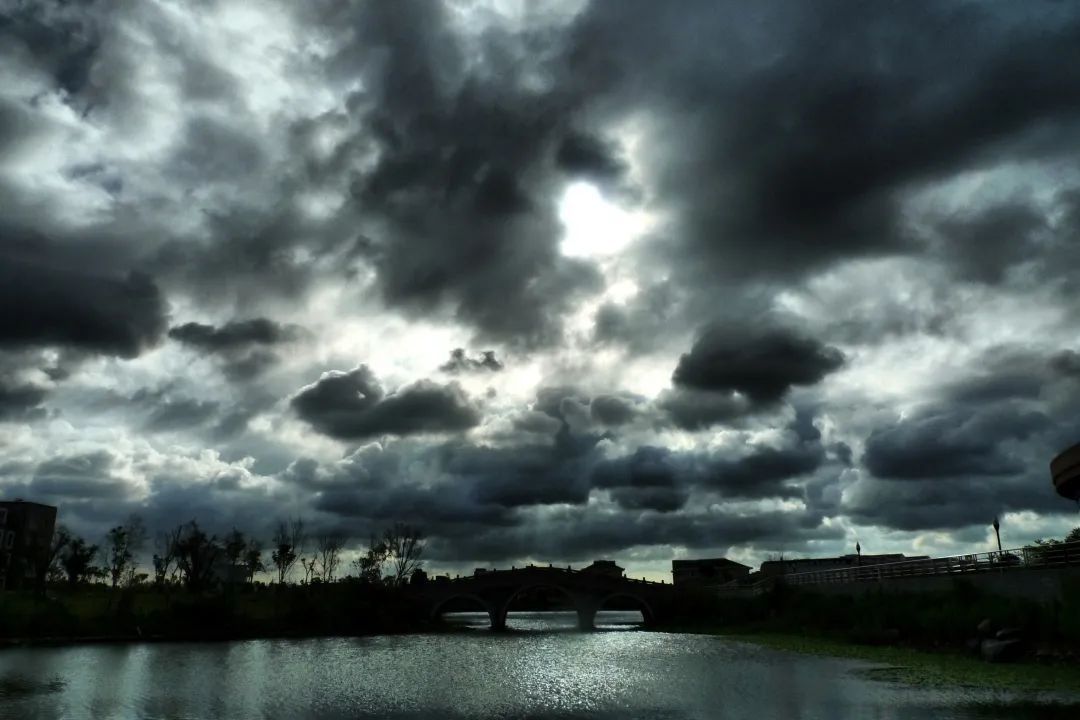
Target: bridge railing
x,y
567,569
1032,556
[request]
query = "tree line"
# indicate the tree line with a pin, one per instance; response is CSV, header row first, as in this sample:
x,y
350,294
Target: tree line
x,y
190,557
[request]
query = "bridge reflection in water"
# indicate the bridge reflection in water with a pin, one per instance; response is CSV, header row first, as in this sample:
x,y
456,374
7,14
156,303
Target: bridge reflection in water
x,y
587,593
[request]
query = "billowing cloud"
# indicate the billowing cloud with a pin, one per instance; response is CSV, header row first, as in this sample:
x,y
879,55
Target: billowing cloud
x,y
732,278
233,335
459,362
759,363
352,405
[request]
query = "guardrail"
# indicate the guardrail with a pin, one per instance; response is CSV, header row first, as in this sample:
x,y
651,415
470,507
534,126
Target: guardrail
x,y
567,569
1032,556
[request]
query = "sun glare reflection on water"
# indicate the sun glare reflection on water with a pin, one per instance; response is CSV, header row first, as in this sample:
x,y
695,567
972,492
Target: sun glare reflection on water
x,y
542,668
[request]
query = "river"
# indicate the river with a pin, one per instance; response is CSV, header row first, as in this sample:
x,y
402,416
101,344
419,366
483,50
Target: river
x,y
543,669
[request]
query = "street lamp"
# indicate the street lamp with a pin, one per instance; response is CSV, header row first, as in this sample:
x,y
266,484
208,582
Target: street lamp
x,y
997,532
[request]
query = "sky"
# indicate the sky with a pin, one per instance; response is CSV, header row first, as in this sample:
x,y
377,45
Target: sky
x,y
550,281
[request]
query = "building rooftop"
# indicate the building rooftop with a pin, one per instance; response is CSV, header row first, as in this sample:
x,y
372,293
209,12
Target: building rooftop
x,y
706,561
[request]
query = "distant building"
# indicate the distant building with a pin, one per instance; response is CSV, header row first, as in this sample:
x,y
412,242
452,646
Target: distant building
x,y
707,572
774,568
1065,471
607,568
26,530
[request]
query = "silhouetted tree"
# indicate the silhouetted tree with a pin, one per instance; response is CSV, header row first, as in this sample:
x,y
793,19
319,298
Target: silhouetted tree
x,y
328,549
76,560
123,544
253,562
47,560
234,545
196,552
165,565
404,545
289,541
310,568
369,566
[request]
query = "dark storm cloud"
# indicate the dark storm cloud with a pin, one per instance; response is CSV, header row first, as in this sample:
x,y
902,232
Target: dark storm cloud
x,y
762,473
373,484
589,156
61,40
575,534
759,362
552,400
242,345
767,471
21,402
77,477
52,300
532,474
644,323
459,362
646,467
461,200
980,451
738,367
649,479
697,410
985,245
949,442
788,150
234,335
987,421
613,409
352,406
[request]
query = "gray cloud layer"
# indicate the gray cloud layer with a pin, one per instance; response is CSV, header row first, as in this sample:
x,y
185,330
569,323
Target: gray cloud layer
x,y
852,309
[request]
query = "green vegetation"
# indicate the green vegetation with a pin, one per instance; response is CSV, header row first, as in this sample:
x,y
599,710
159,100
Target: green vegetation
x,y
918,667
348,607
921,639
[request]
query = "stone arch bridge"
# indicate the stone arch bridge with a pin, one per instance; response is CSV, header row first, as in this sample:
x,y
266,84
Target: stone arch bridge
x,y
588,592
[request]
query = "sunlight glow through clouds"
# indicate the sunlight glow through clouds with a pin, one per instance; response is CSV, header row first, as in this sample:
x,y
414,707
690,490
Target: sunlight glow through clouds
x,y
595,227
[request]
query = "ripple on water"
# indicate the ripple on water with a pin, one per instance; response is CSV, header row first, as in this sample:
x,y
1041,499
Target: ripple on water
x,y
535,671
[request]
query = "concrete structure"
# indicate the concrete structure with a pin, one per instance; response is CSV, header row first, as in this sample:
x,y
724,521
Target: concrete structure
x,y
776,568
707,572
1034,583
607,568
587,592
1065,471
26,531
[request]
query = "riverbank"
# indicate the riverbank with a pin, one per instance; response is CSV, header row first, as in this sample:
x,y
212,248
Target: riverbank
x,y
914,666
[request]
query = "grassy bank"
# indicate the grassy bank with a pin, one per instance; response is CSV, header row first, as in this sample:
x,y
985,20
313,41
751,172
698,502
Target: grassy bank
x,y
925,668
924,639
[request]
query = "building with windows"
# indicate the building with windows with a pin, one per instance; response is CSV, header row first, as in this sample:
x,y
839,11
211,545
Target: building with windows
x,y
707,572
26,530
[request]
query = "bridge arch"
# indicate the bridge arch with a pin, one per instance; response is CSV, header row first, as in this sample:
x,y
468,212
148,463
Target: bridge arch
x,y
576,602
439,607
648,616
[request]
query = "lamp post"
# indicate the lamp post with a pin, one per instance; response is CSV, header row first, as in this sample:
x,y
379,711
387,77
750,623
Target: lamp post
x,y
997,533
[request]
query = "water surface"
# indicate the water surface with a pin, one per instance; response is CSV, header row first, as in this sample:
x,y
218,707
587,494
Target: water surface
x,y
543,669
